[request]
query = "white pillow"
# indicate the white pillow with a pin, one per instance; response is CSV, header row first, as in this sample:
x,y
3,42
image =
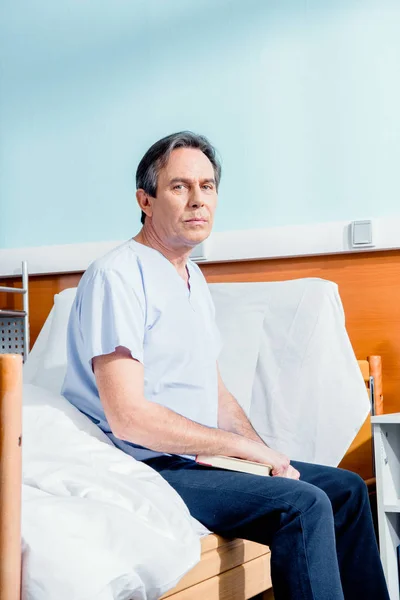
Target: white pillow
x,y
35,356
96,523
50,359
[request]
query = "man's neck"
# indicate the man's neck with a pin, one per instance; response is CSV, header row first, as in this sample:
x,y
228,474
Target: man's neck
x,y
177,256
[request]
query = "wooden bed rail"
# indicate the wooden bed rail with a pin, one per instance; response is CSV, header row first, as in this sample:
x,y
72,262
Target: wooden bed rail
x,y
372,367
10,475
375,365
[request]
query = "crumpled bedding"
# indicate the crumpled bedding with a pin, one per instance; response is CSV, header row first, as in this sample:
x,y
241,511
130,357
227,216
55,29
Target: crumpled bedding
x,y
288,360
96,524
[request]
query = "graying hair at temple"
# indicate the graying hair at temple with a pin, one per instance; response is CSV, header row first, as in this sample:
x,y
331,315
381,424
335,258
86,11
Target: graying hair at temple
x,y
158,154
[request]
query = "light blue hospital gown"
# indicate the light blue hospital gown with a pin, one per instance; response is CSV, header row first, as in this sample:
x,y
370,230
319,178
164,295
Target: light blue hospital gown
x,y
134,297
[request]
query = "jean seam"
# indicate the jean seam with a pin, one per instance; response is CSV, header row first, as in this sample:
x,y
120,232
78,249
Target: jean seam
x,y
305,555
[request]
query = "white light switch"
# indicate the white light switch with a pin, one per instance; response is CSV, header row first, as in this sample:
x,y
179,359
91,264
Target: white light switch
x,y
361,234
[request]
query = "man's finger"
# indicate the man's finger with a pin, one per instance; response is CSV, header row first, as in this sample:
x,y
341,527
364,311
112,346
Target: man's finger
x,y
292,473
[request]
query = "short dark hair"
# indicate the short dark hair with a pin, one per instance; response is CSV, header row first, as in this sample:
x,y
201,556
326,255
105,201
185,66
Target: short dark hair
x,y
157,157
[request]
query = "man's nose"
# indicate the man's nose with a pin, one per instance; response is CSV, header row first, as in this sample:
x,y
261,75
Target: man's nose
x,y
195,199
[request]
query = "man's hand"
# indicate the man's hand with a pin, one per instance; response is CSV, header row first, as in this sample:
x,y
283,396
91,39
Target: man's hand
x,y
280,463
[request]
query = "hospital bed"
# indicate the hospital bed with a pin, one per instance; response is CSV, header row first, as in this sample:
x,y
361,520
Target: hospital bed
x,y
228,569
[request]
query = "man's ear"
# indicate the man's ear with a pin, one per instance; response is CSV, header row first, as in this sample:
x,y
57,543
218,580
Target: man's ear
x,y
145,202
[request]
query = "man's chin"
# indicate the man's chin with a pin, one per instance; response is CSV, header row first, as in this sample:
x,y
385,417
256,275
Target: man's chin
x,y
197,237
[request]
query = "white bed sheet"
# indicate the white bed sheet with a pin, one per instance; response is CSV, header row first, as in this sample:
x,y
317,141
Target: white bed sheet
x,y
288,359
96,524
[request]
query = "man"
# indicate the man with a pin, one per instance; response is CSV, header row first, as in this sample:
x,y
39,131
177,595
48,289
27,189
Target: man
x,y
142,364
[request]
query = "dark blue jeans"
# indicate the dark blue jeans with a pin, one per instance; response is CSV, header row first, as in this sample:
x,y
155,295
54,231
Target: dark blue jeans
x,y
319,528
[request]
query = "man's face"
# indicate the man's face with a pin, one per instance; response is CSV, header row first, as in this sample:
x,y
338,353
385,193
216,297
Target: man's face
x,y
183,211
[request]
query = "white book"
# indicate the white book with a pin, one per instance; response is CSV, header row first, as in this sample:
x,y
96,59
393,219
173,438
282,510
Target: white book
x,y
234,464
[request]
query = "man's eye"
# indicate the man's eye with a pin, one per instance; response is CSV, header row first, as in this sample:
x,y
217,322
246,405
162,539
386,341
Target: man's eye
x,y
207,186
179,186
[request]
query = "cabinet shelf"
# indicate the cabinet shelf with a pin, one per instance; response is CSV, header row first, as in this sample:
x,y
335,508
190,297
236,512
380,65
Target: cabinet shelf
x,y
391,508
387,462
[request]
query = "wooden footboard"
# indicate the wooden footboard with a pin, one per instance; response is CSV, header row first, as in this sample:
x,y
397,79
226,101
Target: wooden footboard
x,y
10,475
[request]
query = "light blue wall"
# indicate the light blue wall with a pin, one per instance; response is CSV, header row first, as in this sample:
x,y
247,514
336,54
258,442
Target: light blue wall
x,y
302,99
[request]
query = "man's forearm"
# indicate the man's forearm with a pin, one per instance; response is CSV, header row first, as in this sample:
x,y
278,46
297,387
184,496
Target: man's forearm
x,y
233,418
161,429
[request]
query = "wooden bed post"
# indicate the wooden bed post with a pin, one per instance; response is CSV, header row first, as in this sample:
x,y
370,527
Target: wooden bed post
x,y
375,370
10,475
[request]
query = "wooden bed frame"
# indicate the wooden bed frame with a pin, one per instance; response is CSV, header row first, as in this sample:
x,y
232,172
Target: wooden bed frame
x,y
228,570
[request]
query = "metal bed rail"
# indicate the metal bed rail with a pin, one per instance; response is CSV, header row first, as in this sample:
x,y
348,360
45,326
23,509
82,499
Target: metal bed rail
x,y
14,324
